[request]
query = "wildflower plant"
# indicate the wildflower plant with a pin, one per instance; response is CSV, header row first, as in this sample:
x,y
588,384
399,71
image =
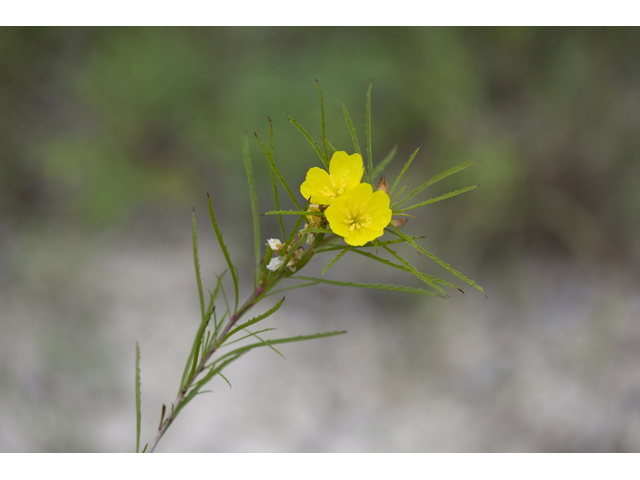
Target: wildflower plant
x,y
339,210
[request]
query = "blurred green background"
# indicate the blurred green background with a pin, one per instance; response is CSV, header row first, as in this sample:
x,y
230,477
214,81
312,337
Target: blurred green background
x,y
108,137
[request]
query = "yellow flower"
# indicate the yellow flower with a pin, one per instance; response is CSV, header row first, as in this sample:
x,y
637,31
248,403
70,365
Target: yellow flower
x,y
345,173
360,215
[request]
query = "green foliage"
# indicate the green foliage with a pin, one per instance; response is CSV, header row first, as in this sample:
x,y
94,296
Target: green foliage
x,y
368,133
352,131
289,257
254,200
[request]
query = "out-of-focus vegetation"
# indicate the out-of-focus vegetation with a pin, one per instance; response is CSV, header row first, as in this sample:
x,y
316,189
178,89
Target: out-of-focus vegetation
x,y
98,125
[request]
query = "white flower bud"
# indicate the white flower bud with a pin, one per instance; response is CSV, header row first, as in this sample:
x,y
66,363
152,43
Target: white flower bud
x,y
275,263
275,244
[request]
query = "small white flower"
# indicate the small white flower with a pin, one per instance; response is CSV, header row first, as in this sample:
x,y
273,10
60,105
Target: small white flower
x,y
275,244
275,264
311,238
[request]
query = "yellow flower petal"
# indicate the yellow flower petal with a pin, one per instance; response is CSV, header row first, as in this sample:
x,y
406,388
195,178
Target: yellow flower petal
x,y
359,215
323,188
345,168
315,187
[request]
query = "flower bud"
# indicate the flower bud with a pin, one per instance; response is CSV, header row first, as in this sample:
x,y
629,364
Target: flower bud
x,y
399,222
275,244
382,185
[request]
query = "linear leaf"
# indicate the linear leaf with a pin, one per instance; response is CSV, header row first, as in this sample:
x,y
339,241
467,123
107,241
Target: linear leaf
x,y
138,399
337,257
438,261
398,194
255,320
352,130
247,336
278,341
372,286
405,269
315,230
274,185
403,171
414,271
325,162
292,288
197,262
225,379
255,334
385,161
330,146
275,170
223,247
294,212
436,199
254,199
324,133
368,132
435,179
367,245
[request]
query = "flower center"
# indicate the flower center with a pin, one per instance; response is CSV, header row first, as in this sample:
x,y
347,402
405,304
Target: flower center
x,y
337,189
357,219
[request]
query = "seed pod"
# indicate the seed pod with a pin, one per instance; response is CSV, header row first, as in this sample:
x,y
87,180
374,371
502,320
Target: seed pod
x,y
399,222
382,185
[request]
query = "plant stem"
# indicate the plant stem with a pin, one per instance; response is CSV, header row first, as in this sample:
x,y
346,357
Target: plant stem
x,y
251,301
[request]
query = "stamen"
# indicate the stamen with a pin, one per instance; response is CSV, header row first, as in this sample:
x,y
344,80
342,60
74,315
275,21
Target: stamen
x,y
333,182
353,225
347,212
363,205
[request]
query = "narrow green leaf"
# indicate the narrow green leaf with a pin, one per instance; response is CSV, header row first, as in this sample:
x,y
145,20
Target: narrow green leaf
x,y
274,185
435,179
291,288
197,262
411,269
294,212
275,170
330,146
403,171
366,245
438,261
138,399
398,194
315,230
223,247
255,334
255,320
352,130
324,133
145,448
250,334
225,379
325,162
368,131
436,199
278,341
332,262
372,286
385,161
254,200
